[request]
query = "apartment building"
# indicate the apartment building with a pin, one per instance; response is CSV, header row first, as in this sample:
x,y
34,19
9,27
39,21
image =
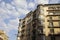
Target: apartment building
x,y
24,28
3,36
41,24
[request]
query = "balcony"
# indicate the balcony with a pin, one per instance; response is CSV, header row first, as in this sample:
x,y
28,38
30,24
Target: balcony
x,y
22,36
40,32
40,24
23,23
18,35
23,26
35,18
54,27
54,31
28,34
54,34
53,20
33,37
53,15
50,34
29,20
53,10
22,31
34,24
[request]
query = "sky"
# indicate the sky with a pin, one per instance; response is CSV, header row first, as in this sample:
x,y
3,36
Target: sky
x,y
13,10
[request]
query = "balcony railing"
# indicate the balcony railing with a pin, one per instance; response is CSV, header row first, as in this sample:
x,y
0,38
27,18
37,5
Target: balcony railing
x,y
53,20
23,26
53,15
23,23
53,10
35,18
22,31
22,35
30,20
54,27
40,24
54,34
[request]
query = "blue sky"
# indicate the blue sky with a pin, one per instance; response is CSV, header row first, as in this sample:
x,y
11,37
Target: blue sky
x,y
12,10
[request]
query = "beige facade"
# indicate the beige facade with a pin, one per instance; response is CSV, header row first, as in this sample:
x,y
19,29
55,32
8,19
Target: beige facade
x,y
41,24
3,36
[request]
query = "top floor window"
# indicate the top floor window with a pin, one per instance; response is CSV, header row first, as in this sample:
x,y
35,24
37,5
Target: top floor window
x,y
55,8
51,13
54,13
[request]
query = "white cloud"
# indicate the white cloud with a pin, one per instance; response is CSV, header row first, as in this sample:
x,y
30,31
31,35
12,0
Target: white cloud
x,y
41,1
23,11
9,6
20,3
2,24
14,22
54,1
31,5
12,26
8,11
2,10
0,0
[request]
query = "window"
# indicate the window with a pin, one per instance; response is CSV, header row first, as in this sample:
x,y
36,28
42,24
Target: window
x,y
56,24
50,7
42,22
51,18
55,18
50,24
58,7
34,34
29,20
59,21
51,13
23,26
52,30
57,13
40,31
54,13
34,15
52,37
23,22
43,37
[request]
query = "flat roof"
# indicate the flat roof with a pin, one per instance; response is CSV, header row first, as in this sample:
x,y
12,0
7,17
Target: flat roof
x,y
48,4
